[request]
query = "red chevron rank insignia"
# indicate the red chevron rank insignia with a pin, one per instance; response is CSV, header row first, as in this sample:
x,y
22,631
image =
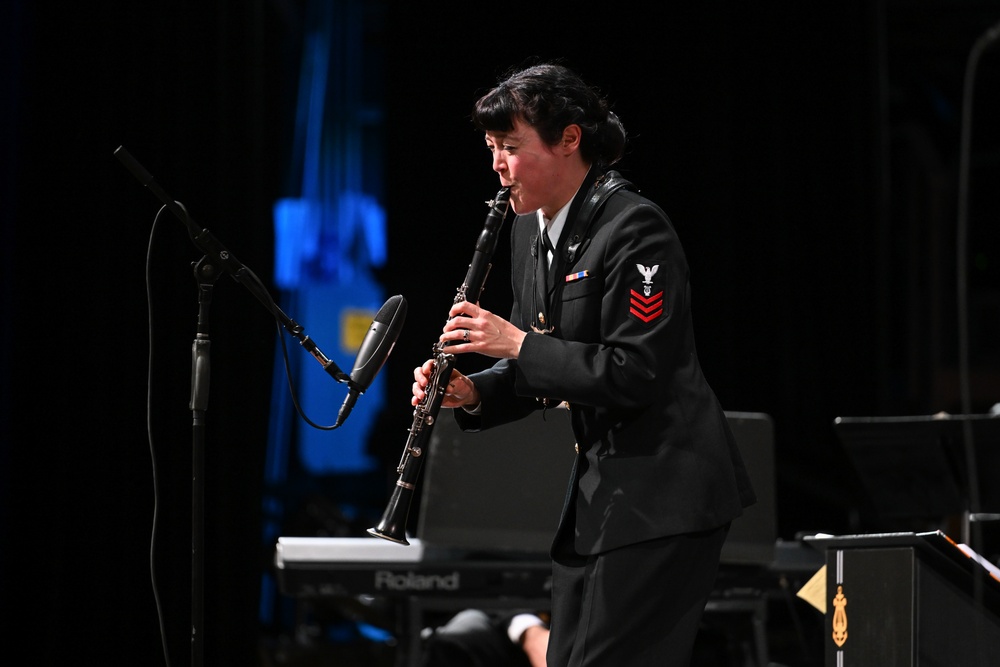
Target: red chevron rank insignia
x,y
646,308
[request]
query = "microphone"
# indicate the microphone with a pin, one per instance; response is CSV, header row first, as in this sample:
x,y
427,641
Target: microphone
x,y
374,351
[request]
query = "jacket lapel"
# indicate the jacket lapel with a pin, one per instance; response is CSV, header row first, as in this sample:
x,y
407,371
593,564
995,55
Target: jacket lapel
x,y
545,302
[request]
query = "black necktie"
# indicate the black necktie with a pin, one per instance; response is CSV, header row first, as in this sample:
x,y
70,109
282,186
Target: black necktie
x,y
547,247
541,284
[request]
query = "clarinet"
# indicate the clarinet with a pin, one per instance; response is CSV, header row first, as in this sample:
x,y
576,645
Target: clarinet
x,y
392,526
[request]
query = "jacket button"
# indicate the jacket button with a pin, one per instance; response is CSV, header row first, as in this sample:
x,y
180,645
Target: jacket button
x,y
576,446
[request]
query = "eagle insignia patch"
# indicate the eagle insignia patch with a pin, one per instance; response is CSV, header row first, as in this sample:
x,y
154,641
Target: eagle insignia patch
x,y
646,306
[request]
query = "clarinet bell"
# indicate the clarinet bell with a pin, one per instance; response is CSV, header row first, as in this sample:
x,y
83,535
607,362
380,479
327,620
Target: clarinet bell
x,y
392,526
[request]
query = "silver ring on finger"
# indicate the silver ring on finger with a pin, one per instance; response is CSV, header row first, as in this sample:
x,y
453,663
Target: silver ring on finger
x,y
465,336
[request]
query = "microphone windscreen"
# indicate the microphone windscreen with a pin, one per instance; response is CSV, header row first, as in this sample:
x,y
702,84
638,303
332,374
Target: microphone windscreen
x,y
388,310
378,342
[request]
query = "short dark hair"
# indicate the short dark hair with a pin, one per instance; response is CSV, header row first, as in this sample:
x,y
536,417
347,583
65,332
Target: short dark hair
x,y
549,97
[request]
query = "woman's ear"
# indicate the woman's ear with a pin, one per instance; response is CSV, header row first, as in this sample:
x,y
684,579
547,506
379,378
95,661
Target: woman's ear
x,y
571,138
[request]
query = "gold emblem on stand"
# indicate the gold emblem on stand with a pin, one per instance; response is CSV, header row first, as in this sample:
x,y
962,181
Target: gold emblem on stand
x,y
840,617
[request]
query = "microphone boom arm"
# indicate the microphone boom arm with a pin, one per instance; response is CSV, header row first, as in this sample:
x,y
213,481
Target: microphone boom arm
x,y
207,243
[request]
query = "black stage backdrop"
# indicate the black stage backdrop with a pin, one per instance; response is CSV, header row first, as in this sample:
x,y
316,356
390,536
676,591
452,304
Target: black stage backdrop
x,y
771,136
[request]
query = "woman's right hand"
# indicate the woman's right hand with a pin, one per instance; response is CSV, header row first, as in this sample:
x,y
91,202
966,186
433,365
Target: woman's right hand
x,y
461,391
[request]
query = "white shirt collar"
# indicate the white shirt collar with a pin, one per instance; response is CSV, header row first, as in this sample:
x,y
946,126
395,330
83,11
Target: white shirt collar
x,y
555,225
558,221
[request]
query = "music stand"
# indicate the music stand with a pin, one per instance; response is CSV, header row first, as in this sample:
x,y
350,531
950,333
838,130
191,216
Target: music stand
x,y
915,468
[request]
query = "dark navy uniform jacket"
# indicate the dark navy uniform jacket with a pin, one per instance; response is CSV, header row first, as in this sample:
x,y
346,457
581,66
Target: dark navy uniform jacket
x,y
656,456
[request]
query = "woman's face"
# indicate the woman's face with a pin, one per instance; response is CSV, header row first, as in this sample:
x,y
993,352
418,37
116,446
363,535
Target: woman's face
x,y
528,166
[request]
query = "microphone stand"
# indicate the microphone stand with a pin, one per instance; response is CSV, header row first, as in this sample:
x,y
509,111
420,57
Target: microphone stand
x,y
205,275
216,260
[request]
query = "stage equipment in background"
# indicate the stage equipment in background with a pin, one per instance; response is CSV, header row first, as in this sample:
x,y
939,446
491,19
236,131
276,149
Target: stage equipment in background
x,y
374,351
752,536
904,599
986,40
916,471
479,543
920,479
467,503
